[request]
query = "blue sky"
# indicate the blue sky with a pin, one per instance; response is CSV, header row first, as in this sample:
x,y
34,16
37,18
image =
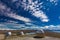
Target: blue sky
x,y
30,12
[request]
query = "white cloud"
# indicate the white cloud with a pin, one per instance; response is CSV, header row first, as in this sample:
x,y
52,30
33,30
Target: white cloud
x,y
7,29
22,26
2,25
14,25
10,21
7,12
41,15
14,0
46,27
55,2
32,7
41,3
6,26
19,17
45,20
24,0
2,6
35,2
51,0
52,27
28,23
59,17
36,11
30,1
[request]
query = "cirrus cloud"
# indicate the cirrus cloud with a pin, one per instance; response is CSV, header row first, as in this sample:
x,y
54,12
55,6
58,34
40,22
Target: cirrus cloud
x,y
35,11
7,12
